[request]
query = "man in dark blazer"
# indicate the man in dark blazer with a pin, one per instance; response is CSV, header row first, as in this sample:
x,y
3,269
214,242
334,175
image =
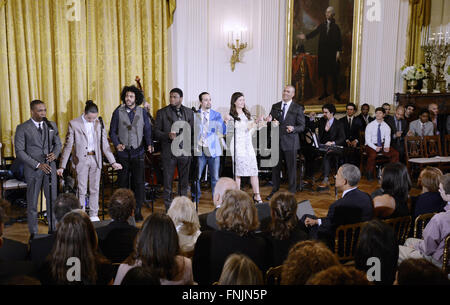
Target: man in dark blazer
x,y
331,134
330,46
32,148
399,129
352,127
354,206
182,137
290,119
364,116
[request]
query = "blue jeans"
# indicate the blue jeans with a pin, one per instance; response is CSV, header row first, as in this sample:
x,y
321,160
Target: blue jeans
x,y
213,166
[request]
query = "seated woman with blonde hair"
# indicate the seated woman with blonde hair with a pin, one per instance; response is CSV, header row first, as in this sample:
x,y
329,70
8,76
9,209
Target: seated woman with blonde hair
x,y
184,216
239,269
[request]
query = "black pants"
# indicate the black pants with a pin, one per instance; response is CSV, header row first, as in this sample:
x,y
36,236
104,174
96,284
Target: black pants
x,y
334,82
169,164
330,159
134,167
290,158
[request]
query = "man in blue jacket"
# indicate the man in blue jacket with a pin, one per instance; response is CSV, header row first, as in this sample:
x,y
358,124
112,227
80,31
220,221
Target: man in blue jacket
x,y
208,142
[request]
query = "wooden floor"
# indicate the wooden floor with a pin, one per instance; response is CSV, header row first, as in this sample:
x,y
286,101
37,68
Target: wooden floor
x,y
320,202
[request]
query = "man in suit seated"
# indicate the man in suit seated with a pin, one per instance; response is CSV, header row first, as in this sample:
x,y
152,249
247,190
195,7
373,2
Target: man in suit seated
x,y
40,247
422,126
331,133
354,206
399,129
116,240
364,116
352,126
410,113
387,110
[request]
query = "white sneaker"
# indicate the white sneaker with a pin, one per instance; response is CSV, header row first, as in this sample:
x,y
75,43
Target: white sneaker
x,y
94,218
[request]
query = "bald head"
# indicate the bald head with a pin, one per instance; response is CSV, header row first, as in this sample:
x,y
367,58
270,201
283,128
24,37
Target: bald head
x,y
223,184
433,109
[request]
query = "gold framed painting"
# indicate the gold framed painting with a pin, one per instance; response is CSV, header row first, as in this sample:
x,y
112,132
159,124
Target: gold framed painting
x,y
323,51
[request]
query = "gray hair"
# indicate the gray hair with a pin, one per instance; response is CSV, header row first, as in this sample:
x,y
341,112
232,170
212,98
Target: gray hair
x,y
351,173
330,8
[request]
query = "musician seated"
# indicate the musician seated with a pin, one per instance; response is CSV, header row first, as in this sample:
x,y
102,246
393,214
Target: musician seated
x,y
352,125
331,134
378,141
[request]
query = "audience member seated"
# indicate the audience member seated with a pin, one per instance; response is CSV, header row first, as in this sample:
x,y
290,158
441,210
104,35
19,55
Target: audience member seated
x,y
76,237
377,239
237,220
378,140
339,275
429,201
116,240
157,248
285,229
431,247
410,113
184,216
364,116
422,126
239,269
352,126
331,132
12,269
208,220
354,206
396,183
387,110
399,129
439,120
12,249
420,272
41,247
305,259
139,276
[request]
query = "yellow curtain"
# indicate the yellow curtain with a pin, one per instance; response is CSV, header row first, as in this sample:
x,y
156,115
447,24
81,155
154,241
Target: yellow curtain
x,y
66,52
419,15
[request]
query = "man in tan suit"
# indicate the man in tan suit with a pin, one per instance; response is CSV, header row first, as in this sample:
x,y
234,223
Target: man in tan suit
x,y
84,132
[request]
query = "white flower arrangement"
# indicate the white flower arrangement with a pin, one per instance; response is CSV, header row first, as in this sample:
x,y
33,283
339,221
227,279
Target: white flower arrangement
x,y
415,72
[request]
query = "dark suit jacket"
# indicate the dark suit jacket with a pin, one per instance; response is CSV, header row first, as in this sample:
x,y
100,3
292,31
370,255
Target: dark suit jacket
x,y
116,240
294,117
356,206
397,143
429,202
13,250
353,132
336,132
165,118
40,248
363,122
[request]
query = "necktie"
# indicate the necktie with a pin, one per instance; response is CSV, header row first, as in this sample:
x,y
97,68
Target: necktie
x,y
284,111
178,113
40,129
379,136
350,122
327,127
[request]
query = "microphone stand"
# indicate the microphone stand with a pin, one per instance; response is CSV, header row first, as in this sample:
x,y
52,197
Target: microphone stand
x,y
50,207
234,145
101,166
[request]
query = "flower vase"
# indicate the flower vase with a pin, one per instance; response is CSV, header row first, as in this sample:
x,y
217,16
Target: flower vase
x,y
411,84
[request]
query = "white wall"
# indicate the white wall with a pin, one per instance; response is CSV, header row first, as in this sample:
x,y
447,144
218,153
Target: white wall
x,y
200,57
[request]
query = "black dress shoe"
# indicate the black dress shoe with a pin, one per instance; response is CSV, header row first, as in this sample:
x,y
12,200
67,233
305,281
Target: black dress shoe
x,y
270,196
323,96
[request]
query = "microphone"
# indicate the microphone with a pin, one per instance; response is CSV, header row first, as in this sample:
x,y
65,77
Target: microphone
x,y
101,122
47,122
194,109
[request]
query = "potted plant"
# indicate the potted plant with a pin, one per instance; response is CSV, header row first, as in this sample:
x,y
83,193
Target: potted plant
x,y
412,74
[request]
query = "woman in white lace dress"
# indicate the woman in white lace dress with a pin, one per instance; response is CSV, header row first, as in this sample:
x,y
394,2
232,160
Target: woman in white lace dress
x,y
246,165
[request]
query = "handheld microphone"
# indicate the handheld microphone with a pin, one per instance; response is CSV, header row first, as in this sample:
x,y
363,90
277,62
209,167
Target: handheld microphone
x,y
101,122
47,122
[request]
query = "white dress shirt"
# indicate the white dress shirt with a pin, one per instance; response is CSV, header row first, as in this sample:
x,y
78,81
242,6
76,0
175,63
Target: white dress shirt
x,y
288,104
371,134
90,133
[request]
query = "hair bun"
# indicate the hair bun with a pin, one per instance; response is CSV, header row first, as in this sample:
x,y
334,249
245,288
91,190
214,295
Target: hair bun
x,y
89,103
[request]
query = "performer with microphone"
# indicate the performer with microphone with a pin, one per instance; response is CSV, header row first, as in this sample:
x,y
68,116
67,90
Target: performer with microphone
x,y
291,119
131,132
38,151
87,140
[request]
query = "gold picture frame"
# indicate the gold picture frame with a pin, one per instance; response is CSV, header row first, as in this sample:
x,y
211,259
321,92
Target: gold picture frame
x,y
355,57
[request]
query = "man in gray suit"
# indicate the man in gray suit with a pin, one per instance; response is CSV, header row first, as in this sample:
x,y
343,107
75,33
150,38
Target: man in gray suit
x,y
31,145
422,126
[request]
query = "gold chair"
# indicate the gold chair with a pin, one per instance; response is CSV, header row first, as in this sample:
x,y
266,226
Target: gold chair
x,y
445,266
401,226
422,221
346,239
273,275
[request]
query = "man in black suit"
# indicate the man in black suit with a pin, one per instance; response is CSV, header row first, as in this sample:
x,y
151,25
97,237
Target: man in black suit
x,y
364,116
331,134
439,121
291,119
410,113
354,206
387,111
330,46
399,129
181,134
352,127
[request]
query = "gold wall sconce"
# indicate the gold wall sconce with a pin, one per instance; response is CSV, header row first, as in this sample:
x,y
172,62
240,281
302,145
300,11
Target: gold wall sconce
x,y
237,44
